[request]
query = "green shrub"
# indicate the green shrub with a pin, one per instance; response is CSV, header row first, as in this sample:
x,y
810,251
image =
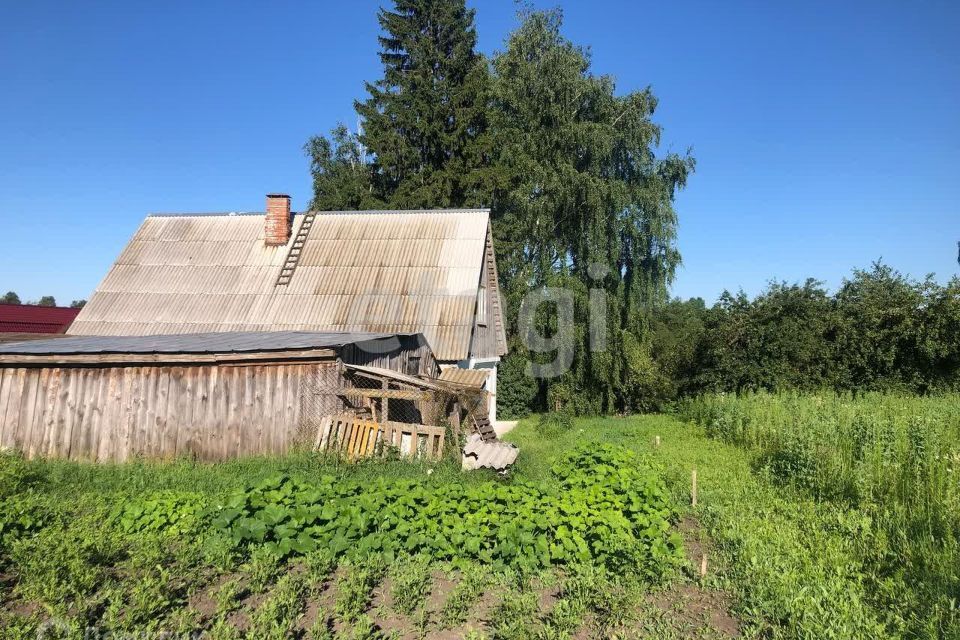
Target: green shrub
x,y
516,390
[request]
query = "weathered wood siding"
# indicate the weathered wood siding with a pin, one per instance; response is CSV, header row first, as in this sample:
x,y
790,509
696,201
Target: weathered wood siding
x,y
489,339
397,359
211,412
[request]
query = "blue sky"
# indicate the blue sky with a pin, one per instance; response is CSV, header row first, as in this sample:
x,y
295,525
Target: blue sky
x,y
826,134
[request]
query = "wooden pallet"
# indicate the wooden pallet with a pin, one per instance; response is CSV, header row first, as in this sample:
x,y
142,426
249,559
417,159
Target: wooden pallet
x,y
355,437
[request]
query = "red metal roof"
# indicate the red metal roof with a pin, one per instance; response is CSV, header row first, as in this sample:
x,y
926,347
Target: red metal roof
x,y
30,318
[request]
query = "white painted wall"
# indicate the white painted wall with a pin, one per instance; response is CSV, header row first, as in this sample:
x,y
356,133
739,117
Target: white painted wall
x,y
489,364
491,385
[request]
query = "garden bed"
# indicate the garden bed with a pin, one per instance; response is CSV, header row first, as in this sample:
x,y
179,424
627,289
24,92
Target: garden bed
x,y
311,547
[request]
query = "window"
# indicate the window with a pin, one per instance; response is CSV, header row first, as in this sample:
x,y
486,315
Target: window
x,y
482,305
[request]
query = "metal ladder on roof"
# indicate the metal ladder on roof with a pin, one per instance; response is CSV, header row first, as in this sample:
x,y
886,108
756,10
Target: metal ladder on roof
x,y
293,256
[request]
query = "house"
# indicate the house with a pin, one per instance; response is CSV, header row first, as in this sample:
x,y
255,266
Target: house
x,y
210,396
430,272
26,321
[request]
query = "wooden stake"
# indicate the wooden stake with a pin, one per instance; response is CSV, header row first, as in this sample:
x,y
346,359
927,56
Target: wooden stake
x,y
703,565
656,441
693,488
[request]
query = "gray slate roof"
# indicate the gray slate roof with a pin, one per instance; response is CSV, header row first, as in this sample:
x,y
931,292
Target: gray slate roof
x,y
494,454
379,271
232,342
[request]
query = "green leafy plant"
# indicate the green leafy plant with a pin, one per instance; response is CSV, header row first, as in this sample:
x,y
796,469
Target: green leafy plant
x,y
140,603
473,578
274,619
356,586
262,568
606,505
322,628
319,564
15,475
171,513
25,514
515,616
882,467
61,567
228,596
411,583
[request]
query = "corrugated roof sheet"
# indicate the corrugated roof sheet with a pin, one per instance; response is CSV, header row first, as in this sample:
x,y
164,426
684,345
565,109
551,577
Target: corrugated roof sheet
x,y
20,337
379,271
466,377
31,318
232,342
495,454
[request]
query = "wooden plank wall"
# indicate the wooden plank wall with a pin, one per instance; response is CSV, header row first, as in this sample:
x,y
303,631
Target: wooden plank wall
x,y
397,359
210,412
488,339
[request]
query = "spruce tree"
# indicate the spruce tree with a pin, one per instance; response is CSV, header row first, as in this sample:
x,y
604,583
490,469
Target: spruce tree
x,y
424,122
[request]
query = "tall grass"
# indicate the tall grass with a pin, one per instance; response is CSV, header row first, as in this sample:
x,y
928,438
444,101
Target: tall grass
x,y
895,458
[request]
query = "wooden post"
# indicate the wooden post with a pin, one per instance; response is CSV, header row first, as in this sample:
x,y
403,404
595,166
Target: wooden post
x,y
385,407
656,441
703,565
322,434
693,488
454,419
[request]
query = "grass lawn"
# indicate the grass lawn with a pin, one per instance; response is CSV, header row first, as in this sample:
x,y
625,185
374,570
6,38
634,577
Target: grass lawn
x,y
176,547
788,561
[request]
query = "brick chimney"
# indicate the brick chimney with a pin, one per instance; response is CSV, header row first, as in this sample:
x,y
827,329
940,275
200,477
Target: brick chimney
x,y
277,223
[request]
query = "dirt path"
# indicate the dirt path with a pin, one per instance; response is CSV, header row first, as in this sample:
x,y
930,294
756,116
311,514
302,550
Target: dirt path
x,y
504,426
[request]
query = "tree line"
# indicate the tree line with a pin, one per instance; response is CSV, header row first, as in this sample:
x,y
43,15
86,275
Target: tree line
x,y
880,331
11,297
